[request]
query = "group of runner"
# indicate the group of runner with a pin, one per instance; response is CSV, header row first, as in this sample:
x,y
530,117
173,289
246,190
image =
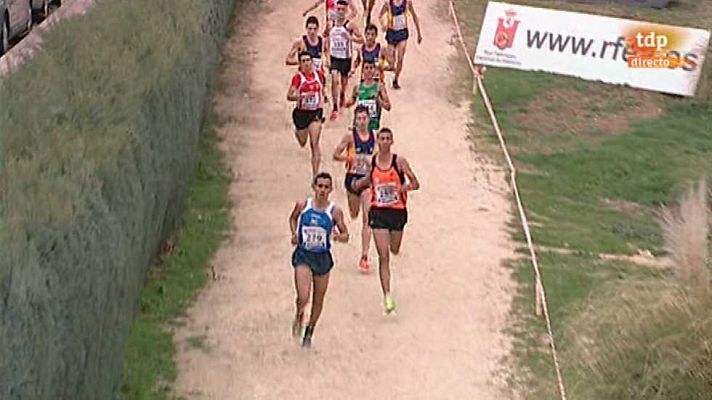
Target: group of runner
x,y
377,180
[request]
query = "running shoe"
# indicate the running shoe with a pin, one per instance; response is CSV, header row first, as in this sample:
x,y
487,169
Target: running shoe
x,y
395,84
297,328
363,265
306,342
390,305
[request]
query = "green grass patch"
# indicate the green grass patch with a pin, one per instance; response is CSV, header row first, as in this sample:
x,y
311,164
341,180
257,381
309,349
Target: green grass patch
x,y
176,278
149,368
596,162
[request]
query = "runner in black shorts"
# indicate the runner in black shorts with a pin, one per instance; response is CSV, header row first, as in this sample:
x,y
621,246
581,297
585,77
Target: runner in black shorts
x,y
360,146
388,214
313,222
308,90
340,42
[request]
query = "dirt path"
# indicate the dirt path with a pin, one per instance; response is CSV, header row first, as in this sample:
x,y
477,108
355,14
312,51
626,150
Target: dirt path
x,y
453,293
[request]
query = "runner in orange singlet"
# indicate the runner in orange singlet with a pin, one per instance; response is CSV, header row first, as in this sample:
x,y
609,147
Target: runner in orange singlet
x,y
388,213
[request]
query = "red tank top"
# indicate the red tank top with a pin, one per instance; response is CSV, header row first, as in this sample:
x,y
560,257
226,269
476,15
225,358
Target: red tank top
x,y
386,186
309,90
330,10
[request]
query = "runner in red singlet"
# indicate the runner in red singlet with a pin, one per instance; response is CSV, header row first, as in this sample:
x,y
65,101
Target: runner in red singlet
x,y
307,89
330,7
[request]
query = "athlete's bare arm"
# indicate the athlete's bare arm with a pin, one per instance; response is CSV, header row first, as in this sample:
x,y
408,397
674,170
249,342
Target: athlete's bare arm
x,y
356,35
363,182
357,61
327,44
348,102
292,56
343,144
384,10
415,19
343,231
384,64
308,10
324,92
292,94
294,219
383,97
353,9
413,183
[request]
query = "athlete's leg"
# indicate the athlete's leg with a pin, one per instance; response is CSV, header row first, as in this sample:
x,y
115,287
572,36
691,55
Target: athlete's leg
x,y
314,136
302,283
390,53
321,282
396,241
301,135
382,238
400,50
354,204
365,230
335,88
344,86
367,9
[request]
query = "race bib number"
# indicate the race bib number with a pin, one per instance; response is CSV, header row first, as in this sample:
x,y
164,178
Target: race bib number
x,y
313,237
399,22
310,101
372,106
338,44
361,162
317,63
386,193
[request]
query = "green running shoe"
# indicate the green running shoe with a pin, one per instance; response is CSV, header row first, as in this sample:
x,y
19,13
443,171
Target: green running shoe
x,y
390,305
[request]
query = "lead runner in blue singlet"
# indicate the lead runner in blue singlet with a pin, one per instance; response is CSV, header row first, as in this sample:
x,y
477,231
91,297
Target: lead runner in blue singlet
x,y
313,221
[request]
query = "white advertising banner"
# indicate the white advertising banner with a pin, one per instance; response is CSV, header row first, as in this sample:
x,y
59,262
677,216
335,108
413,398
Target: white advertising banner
x,y
640,54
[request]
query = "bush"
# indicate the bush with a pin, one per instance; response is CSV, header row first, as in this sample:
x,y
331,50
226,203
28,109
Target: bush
x,y
98,139
650,339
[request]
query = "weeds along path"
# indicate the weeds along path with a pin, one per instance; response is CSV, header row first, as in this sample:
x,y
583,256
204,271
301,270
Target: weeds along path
x,y
452,289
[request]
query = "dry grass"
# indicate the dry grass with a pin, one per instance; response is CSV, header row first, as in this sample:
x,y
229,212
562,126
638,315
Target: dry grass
x,y
686,231
652,338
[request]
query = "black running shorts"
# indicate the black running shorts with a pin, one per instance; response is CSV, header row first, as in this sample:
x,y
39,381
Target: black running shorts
x,y
350,180
343,65
303,118
318,263
387,218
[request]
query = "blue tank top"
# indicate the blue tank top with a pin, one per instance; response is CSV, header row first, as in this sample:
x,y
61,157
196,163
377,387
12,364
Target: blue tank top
x,y
361,153
364,147
315,227
373,55
397,10
397,20
314,51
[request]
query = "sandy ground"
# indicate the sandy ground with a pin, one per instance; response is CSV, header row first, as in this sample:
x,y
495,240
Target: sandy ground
x,y
452,290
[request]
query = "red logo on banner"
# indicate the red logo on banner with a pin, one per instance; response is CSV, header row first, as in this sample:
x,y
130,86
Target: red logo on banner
x,y
506,29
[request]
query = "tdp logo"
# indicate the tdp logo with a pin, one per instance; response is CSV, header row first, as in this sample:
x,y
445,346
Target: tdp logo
x,y
506,29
